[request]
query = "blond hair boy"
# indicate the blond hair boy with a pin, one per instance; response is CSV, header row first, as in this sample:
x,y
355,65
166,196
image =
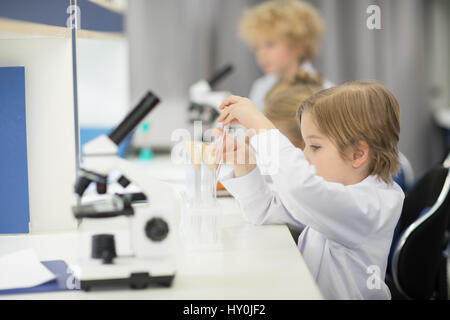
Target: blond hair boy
x,y
338,188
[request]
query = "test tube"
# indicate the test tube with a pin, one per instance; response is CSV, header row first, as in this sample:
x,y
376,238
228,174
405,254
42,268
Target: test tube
x,y
201,209
194,153
208,173
218,157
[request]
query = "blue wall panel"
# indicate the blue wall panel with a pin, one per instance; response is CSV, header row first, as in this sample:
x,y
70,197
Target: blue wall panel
x,y
51,12
97,18
54,12
14,202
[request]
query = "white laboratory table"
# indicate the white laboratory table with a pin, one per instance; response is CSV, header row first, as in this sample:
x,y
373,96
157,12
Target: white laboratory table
x,y
255,263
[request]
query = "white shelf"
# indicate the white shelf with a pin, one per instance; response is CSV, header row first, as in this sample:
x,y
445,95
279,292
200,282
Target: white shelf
x,y
15,29
119,6
87,34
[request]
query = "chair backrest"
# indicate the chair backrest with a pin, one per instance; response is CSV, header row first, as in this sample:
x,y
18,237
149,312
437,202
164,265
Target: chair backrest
x,y
405,177
418,251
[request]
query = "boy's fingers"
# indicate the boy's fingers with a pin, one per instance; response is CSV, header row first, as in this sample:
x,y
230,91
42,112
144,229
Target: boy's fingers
x,y
231,119
222,116
227,118
229,101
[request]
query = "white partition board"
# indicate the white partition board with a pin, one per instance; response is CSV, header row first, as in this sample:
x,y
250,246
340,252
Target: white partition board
x,y
50,128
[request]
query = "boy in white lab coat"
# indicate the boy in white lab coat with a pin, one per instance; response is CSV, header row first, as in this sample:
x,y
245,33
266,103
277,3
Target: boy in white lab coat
x,y
339,188
284,36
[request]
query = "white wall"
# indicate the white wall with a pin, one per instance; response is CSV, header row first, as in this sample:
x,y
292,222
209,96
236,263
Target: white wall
x,y
103,81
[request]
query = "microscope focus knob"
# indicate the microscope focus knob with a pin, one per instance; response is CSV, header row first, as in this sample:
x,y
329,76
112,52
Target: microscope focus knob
x,y
103,247
156,229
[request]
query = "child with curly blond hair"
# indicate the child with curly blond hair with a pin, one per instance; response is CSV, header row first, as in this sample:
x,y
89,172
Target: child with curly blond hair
x,y
284,36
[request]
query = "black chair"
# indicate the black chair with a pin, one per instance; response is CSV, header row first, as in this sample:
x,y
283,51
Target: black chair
x,y
418,261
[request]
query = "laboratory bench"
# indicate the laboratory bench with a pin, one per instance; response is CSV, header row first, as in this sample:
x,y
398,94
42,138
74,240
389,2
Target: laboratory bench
x,y
253,263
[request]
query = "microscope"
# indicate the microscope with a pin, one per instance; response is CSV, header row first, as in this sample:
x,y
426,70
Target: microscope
x,y
151,213
204,102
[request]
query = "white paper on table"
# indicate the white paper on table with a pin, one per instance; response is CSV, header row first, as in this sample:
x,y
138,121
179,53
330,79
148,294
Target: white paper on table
x,y
22,269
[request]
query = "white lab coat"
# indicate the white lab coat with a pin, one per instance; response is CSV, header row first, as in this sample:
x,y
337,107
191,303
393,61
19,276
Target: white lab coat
x,y
347,229
262,85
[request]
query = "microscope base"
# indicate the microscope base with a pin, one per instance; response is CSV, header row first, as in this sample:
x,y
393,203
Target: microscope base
x,y
134,281
124,272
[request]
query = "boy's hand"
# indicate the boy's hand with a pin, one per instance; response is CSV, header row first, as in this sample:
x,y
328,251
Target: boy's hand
x,y
235,152
240,110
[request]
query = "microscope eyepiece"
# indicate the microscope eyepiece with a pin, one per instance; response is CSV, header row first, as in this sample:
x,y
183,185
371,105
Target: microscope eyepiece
x,y
144,107
220,75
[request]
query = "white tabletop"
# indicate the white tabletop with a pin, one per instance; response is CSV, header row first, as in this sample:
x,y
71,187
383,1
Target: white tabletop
x,y
255,262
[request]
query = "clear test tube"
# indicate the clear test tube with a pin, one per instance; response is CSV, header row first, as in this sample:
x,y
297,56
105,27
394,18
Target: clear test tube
x,y
201,211
218,156
193,172
192,198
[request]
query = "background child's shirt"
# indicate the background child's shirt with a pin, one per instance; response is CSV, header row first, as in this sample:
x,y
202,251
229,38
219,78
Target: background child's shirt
x,y
264,84
348,230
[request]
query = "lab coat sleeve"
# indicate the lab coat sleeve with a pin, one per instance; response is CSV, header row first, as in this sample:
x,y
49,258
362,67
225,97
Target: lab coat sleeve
x,y
345,214
259,204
